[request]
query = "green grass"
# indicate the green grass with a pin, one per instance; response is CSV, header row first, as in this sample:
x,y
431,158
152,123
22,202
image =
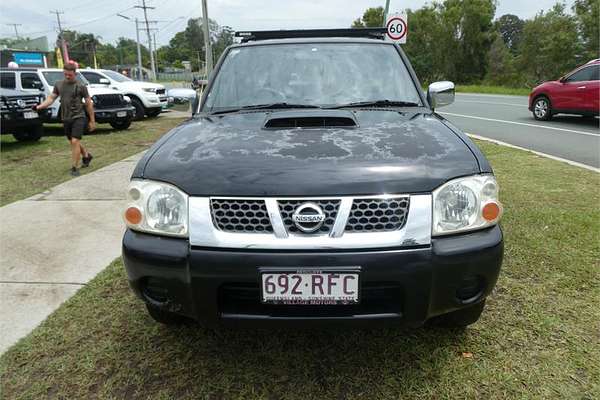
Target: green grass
x,y
537,339
492,90
28,168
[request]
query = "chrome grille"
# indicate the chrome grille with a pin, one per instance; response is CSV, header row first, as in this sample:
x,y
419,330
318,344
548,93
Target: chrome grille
x,y
241,216
287,208
11,102
107,100
378,214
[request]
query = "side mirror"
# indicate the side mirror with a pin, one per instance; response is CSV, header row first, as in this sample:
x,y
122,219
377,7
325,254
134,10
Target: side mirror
x,y
183,99
104,81
440,94
37,85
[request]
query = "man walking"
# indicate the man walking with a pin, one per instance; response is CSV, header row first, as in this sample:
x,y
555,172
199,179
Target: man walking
x,y
72,94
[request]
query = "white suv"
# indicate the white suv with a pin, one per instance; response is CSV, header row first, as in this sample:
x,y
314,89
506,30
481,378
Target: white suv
x,y
147,98
110,105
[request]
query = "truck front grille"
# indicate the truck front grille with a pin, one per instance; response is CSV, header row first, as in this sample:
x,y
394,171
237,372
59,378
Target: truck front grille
x,y
107,100
378,214
329,207
20,103
241,216
362,215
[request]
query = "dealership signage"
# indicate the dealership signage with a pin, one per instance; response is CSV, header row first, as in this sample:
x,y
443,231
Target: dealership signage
x,y
28,58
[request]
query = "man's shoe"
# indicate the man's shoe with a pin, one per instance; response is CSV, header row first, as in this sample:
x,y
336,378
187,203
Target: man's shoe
x,y
85,161
74,171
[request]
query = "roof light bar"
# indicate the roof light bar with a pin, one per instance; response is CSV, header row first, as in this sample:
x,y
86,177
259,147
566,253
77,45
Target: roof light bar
x,y
372,33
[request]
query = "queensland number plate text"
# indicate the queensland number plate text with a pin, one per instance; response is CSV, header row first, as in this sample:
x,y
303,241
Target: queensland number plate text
x,y
30,115
121,114
310,288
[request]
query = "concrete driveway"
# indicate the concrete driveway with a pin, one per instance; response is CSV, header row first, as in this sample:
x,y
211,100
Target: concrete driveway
x,y
53,243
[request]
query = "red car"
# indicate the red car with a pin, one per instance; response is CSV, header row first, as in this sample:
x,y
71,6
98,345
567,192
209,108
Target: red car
x,y
578,92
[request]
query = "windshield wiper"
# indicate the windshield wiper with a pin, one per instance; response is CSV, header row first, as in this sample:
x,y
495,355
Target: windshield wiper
x,y
377,103
267,106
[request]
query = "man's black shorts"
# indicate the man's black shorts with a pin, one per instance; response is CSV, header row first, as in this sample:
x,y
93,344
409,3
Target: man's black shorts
x,y
74,128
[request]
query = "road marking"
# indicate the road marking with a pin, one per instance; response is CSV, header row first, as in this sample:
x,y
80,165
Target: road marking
x,y
490,102
522,123
574,163
507,96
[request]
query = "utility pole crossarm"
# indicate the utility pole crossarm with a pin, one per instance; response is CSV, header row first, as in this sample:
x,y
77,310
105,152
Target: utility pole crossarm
x,y
16,31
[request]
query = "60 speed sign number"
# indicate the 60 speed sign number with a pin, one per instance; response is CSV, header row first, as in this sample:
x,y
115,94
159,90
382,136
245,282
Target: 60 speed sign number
x,y
397,28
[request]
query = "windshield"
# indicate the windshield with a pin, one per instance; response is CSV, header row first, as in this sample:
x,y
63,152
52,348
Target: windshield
x,y
321,74
54,76
116,76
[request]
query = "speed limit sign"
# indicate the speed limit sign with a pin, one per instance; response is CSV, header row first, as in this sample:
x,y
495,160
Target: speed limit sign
x,y
397,28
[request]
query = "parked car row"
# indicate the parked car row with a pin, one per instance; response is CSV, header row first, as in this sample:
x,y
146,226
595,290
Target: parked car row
x,y
117,99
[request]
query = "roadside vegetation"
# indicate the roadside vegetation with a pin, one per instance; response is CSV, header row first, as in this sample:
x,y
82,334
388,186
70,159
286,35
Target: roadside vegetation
x,y
28,168
538,337
468,43
492,90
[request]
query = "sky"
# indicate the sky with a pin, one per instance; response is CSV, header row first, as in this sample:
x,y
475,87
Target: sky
x,y
98,16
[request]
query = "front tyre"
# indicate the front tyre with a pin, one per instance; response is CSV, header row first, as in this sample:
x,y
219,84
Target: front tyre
x,y
139,109
165,317
32,134
153,113
460,318
542,110
121,124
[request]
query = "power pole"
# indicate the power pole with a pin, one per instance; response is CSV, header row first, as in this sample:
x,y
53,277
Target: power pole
x,y
16,31
209,56
60,34
145,8
155,48
140,74
139,51
385,13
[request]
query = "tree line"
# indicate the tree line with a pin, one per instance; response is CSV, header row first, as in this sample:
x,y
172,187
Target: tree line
x,y
460,40
186,45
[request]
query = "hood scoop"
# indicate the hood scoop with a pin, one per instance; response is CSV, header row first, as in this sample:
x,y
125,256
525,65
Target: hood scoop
x,y
310,119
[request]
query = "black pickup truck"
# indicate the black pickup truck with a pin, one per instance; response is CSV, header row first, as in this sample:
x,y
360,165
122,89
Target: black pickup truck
x,y
18,117
314,184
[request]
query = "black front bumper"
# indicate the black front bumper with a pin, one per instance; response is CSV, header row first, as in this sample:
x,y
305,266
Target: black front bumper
x,y
14,120
404,286
104,115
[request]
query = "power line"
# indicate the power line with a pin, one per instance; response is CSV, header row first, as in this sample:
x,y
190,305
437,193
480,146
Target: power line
x,y
58,13
16,31
99,18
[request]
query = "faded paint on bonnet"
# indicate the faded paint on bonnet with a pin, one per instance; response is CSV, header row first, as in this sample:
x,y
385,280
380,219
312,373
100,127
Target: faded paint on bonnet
x,y
232,155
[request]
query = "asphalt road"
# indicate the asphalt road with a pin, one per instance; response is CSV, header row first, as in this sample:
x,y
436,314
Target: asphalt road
x,y
507,119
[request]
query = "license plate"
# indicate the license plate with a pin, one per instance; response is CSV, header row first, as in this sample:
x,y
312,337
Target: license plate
x,y
310,288
121,114
30,115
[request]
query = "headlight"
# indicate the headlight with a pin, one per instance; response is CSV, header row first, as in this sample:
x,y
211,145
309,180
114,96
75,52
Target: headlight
x,y
127,99
95,99
466,204
150,90
157,207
